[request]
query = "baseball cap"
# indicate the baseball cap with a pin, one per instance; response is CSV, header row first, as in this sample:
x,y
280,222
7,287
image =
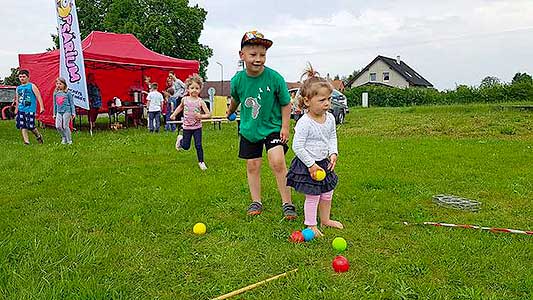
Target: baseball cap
x,y
255,38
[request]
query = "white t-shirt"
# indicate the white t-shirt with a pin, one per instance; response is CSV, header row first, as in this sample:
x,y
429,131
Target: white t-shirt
x,y
156,100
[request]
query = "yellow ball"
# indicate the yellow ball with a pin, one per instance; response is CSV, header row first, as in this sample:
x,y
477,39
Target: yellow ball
x,y
199,228
320,175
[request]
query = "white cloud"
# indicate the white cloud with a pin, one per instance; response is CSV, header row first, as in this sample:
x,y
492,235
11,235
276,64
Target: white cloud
x,y
447,42
26,28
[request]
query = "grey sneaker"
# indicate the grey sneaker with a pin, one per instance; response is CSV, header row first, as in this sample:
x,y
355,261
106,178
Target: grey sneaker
x,y
202,166
289,211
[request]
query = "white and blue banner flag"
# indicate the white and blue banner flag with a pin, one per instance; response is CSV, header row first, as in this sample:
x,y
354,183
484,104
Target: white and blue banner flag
x,y
71,65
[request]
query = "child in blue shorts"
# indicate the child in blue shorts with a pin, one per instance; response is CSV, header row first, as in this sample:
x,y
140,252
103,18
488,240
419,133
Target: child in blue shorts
x,y
26,100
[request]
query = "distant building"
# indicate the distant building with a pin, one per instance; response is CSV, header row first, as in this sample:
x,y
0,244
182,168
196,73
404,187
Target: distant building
x,y
221,88
293,85
338,85
389,72
224,88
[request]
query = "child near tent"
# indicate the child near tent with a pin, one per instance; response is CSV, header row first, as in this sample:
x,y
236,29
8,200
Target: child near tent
x,y
171,104
154,102
95,99
315,146
194,110
64,110
179,92
265,115
26,99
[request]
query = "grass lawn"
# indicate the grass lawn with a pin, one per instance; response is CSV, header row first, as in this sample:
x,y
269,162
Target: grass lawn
x,y
111,216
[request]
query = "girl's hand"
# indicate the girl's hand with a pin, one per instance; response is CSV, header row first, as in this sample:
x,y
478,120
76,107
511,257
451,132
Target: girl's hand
x,y
172,117
332,162
72,117
198,116
313,169
316,231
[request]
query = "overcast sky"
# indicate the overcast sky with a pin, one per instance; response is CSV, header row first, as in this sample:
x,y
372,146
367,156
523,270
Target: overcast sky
x,y
447,42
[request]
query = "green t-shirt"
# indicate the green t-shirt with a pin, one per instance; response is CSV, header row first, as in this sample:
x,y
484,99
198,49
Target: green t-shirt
x,y
261,99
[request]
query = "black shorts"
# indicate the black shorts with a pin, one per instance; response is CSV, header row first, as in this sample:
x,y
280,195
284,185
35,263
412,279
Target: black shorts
x,y
249,150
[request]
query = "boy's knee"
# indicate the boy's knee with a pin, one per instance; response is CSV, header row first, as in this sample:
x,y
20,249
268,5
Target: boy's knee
x,y
278,165
253,165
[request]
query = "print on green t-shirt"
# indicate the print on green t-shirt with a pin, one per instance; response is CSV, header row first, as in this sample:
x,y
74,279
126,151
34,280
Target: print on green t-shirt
x,y
261,99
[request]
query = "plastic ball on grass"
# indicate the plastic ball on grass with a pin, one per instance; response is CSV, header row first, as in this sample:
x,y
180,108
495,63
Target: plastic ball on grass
x,y
199,228
308,234
232,117
339,244
296,237
340,264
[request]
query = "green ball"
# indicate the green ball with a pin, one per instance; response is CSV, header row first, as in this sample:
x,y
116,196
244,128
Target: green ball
x,y
339,244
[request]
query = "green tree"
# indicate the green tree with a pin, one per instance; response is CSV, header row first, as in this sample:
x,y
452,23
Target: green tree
x,y
489,81
347,79
169,27
522,78
12,79
55,39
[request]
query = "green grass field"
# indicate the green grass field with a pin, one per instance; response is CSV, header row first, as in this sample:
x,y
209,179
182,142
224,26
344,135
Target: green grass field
x,y
111,216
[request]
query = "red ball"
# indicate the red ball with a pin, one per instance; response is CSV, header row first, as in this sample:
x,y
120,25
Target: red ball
x,y
296,237
340,264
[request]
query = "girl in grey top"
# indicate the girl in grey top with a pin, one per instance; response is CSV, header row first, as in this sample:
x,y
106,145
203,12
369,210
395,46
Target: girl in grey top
x,y
64,110
315,145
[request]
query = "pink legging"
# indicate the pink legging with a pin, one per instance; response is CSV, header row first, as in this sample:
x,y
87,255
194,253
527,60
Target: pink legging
x,y
311,206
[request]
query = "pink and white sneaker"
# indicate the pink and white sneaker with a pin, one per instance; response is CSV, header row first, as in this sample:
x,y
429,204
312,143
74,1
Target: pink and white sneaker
x,y
178,142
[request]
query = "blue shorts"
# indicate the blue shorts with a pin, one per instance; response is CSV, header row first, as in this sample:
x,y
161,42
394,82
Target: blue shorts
x,y
25,120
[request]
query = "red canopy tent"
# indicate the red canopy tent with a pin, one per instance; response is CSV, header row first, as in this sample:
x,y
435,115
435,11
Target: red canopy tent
x,y
119,63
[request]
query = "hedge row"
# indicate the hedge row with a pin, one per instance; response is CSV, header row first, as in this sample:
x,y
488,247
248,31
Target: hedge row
x,y
386,96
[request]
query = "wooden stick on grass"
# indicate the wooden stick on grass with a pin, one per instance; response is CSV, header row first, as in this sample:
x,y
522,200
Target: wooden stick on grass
x,y
251,286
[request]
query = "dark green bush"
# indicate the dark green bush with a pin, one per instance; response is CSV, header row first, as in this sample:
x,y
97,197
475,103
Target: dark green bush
x,y
396,97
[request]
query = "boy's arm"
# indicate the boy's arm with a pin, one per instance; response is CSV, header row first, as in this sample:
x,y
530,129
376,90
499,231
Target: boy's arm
x,y
39,98
235,99
284,99
232,107
285,118
148,100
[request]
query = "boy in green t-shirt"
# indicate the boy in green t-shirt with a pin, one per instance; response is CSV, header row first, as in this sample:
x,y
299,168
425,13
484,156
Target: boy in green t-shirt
x,y
265,113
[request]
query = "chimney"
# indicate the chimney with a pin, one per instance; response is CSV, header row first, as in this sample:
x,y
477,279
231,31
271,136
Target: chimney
x,y
398,60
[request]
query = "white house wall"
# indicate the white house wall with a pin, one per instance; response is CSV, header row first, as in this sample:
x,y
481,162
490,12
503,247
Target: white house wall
x,y
395,79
